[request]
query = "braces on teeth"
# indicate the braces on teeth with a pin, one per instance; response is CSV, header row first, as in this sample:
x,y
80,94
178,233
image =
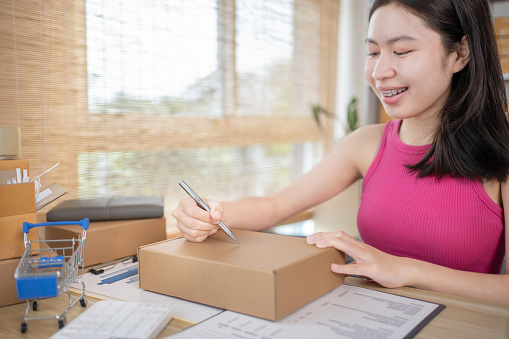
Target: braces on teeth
x,y
393,92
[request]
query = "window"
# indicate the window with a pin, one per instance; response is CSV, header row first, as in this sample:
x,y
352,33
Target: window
x,y
153,57
132,96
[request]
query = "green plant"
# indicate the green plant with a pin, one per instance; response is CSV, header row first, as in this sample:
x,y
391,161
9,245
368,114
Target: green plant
x,y
319,110
352,116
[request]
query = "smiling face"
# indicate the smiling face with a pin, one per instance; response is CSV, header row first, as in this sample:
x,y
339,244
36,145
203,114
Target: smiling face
x,y
406,65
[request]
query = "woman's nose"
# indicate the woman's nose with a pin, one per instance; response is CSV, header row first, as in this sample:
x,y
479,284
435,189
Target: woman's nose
x,y
384,68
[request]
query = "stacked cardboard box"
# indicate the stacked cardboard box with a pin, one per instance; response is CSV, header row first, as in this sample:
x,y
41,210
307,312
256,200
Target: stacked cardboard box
x,y
110,240
17,205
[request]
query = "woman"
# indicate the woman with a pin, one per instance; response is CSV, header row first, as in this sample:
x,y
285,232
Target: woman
x,y
434,182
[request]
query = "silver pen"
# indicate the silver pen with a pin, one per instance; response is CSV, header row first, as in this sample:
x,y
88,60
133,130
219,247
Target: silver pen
x,y
203,205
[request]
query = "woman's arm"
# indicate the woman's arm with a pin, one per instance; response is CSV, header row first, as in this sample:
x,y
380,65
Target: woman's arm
x,y
346,163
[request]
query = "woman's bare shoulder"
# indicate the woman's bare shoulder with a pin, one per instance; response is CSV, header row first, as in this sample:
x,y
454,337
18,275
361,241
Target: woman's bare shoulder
x,y
369,135
366,140
373,128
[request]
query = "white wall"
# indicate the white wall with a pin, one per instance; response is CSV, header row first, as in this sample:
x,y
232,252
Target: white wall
x,y
351,56
500,8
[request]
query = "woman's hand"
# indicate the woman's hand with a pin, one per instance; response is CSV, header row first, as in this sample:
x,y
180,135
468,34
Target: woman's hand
x,y
195,223
387,270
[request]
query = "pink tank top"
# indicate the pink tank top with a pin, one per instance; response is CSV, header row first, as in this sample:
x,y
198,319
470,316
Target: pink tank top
x,y
451,222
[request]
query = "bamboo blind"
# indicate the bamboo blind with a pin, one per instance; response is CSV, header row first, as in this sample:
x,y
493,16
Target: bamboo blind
x,y
502,34
242,146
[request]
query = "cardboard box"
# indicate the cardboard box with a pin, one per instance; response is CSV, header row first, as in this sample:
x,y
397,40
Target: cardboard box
x,y
13,164
17,205
267,275
17,199
11,235
110,240
8,293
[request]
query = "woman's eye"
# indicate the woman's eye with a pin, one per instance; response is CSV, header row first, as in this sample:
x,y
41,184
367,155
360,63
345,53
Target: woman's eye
x,y
401,53
373,54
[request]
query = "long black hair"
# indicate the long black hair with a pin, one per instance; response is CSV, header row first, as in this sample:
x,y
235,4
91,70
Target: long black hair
x,y
472,139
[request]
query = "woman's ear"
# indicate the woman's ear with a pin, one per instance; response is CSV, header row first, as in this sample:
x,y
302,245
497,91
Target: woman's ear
x,y
462,55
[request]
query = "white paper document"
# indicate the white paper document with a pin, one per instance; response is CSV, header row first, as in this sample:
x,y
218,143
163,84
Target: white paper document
x,y
121,282
346,312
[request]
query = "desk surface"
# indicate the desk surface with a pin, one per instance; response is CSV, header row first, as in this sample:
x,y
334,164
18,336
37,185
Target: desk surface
x,y
462,318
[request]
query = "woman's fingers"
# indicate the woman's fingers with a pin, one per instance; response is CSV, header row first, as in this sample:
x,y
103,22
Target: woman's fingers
x,y
312,239
344,243
361,253
216,211
194,223
191,223
192,234
348,269
388,270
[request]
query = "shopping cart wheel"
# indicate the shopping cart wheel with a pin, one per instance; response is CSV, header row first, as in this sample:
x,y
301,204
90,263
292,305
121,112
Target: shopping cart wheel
x,y
83,302
62,322
23,327
35,306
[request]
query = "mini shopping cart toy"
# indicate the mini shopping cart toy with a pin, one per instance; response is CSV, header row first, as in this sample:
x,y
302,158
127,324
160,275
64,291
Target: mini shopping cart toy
x,y
47,272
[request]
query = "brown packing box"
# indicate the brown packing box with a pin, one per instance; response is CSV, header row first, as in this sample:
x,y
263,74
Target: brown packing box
x,y
17,199
17,204
8,293
11,235
110,240
13,164
267,275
